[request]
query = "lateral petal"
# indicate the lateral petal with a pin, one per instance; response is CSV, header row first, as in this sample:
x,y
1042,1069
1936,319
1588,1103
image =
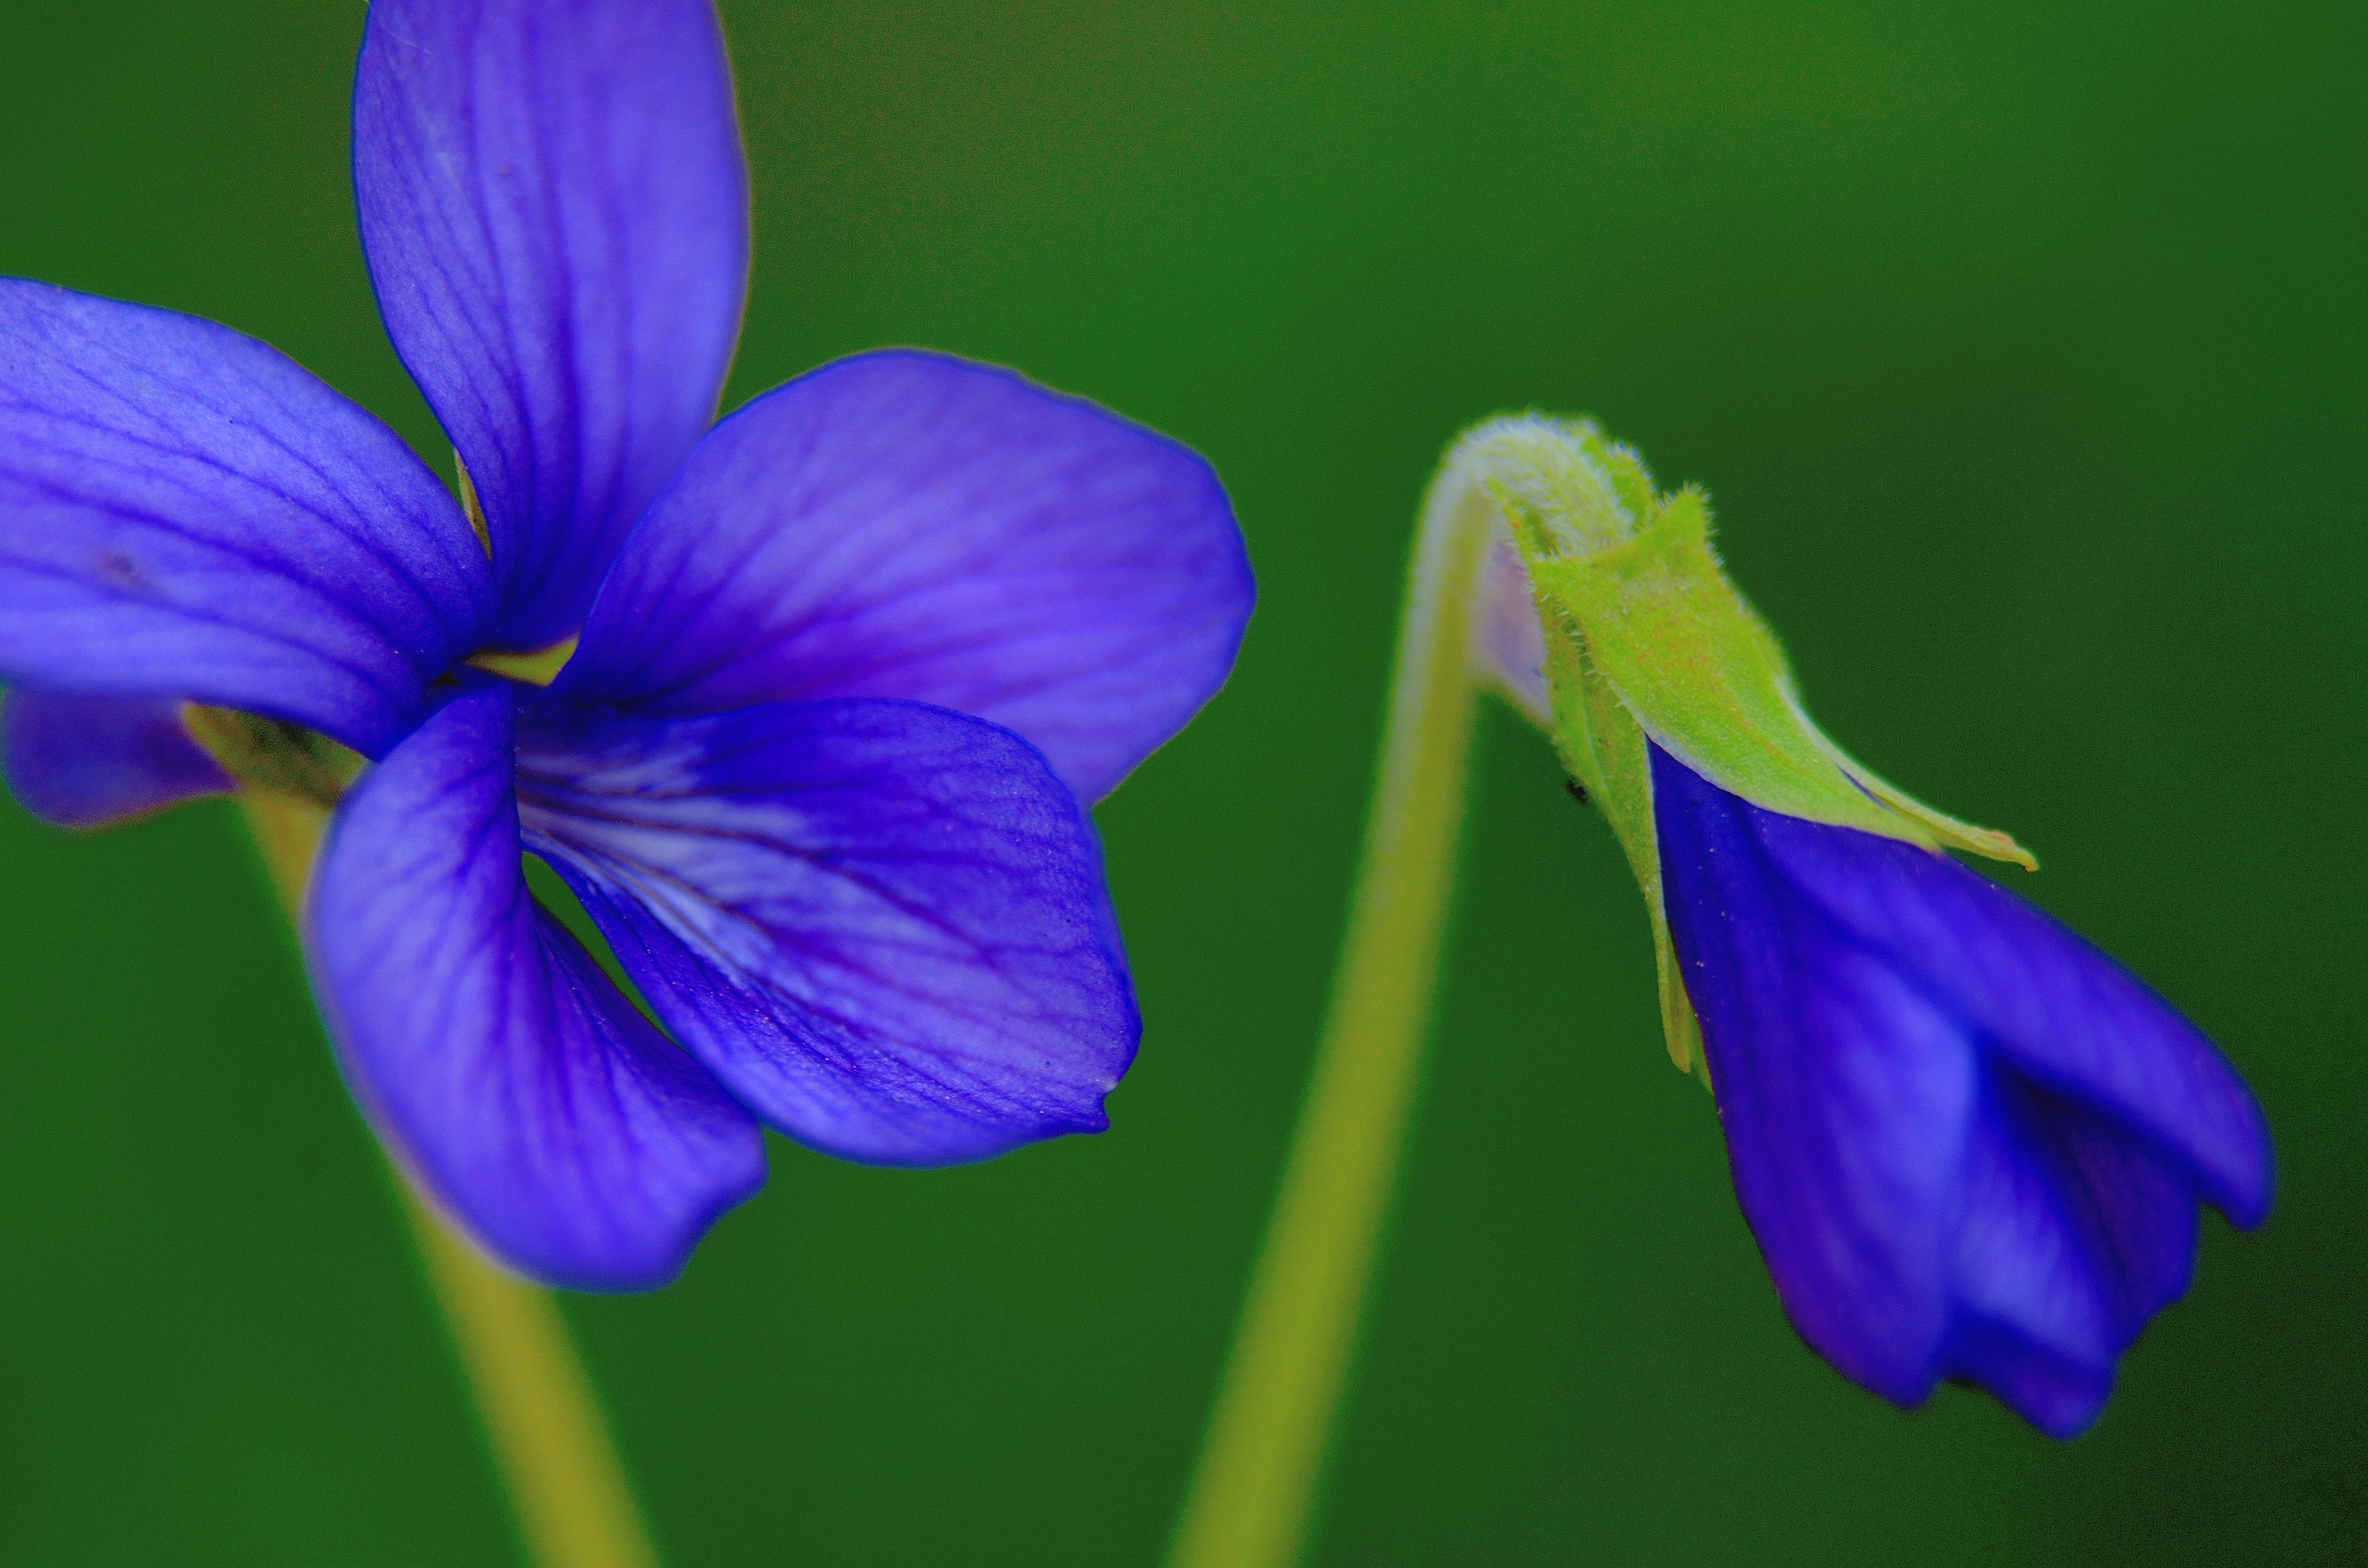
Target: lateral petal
x,y
515,1081
186,511
555,212
1846,1097
2069,1018
881,925
910,524
86,761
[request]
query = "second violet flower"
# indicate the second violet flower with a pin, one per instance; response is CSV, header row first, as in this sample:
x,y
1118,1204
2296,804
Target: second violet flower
x,y
1970,1145
849,661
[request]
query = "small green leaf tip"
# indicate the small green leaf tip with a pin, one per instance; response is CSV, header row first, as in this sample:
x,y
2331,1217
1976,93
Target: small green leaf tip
x,y
1647,638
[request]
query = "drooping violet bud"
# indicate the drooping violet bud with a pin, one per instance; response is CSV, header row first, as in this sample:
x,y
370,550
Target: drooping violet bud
x,y
1969,1145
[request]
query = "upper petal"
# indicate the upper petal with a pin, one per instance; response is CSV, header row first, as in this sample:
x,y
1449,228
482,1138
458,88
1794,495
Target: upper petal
x,y
1846,1097
186,510
2069,1017
555,212
908,524
883,925
515,1082
83,761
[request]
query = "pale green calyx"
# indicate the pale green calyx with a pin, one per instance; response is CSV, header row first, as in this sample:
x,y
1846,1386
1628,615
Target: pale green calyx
x,y
1646,637
1577,493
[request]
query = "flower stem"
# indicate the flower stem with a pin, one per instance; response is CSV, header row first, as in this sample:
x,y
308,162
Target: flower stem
x,y
1253,1493
565,1483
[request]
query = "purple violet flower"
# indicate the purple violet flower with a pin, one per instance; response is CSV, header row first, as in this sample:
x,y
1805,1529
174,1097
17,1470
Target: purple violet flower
x,y
1970,1145
849,660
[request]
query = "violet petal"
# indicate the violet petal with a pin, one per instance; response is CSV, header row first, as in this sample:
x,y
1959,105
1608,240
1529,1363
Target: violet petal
x,y
512,1077
84,761
185,511
2068,1240
1509,648
2064,1013
908,524
555,212
2052,1209
881,925
1847,1098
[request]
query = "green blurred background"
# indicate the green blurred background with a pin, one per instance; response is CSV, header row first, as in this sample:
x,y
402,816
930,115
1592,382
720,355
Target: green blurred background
x,y
2021,347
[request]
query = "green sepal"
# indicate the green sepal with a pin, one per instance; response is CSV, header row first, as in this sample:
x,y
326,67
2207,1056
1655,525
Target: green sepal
x,y
1707,679
271,754
538,667
1602,746
1954,833
1647,638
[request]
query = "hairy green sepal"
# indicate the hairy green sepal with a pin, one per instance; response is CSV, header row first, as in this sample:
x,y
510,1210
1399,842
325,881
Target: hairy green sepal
x,y
1646,637
1603,748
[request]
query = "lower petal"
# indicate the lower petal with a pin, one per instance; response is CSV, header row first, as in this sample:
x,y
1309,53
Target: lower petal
x,y
86,761
2136,1218
2060,1395
881,924
2035,1320
512,1078
2071,1238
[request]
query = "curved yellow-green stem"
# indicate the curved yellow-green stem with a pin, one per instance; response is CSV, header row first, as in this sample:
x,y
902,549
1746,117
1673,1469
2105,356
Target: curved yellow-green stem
x,y
566,1486
1253,1493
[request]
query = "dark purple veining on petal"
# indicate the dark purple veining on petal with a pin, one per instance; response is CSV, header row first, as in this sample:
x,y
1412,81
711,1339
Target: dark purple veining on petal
x,y
877,922
555,212
185,511
908,524
87,761
514,1079
880,925
1969,1143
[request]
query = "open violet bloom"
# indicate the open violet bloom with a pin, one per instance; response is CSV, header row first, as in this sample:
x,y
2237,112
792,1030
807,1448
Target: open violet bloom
x,y
1970,1145
850,661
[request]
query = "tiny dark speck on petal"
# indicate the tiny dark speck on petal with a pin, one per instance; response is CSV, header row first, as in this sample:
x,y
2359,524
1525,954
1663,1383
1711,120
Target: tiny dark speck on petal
x,y
120,568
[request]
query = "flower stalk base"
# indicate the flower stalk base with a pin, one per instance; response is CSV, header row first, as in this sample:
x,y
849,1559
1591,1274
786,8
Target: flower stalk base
x,y
559,1466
